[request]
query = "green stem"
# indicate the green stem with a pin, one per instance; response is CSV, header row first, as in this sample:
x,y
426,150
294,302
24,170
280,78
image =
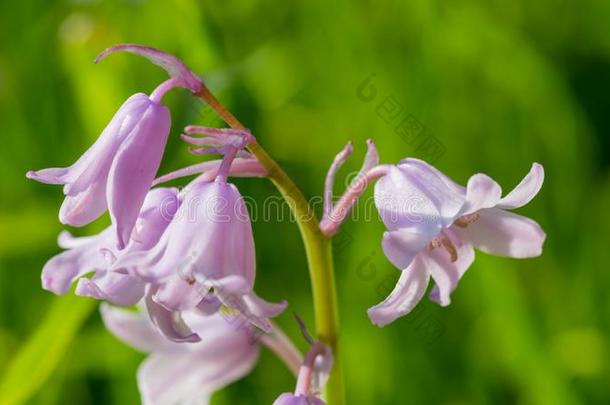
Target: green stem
x,y
317,247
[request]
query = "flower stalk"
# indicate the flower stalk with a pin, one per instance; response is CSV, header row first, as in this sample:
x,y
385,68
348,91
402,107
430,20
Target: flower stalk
x,y
318,249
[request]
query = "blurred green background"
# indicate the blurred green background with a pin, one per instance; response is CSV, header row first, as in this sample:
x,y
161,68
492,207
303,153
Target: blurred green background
x,y
495,84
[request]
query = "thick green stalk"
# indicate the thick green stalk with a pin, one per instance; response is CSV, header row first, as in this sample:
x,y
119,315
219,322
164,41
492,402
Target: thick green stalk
x,y
317,247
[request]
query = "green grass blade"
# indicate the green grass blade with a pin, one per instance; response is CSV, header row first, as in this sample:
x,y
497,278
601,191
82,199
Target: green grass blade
x,y
40,355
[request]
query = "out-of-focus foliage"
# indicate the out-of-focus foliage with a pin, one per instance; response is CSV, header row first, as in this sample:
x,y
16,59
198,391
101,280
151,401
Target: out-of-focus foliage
x,y
498,83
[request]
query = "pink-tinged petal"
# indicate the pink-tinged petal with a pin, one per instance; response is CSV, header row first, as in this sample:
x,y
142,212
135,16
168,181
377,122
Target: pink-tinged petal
x,y
49,176
235,293
263,309
197,370
216,233
169,323
292,399
61,270
177,294
481,192
409,290
445,272
401,246
134,168
158,210
85,206
66,240
94,164
444,192
503,233
172,65
526,190
133,328
115,287
403,204
209,305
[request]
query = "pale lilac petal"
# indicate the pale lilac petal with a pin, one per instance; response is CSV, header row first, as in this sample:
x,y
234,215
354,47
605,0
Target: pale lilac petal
x,y
169,323
133,328
446,273
177,294
525,190
209,305
66,240
291,399
234,284
206,237
408,292
401,246
481,192
446,194
503,233
158,210
115,287
49,176
403,204
235,293
263,309
61,270
94,164
134,168
199,369
172,65
85,206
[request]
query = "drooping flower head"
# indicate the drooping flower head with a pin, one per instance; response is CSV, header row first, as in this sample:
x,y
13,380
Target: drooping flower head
x,y
205,257
116,172
434,224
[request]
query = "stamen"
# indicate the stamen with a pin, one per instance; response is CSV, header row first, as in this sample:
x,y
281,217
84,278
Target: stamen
x,y
466,220
443,241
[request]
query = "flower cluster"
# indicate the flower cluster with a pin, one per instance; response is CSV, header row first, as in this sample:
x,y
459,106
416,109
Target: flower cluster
x,y
186,257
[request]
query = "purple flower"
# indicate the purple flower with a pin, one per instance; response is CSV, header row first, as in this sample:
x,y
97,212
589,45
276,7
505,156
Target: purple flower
x,y
206,258
180,373
116,172
122,286
434,224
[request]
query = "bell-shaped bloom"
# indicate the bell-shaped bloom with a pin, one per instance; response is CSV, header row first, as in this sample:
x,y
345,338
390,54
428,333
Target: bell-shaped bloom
x,y
434,224
185,373
97,253
206,258
116,172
